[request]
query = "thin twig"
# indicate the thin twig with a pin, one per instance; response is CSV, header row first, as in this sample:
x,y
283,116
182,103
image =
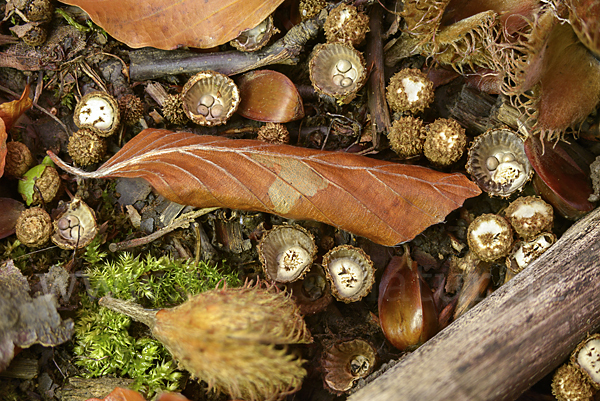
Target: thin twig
x,y
182,222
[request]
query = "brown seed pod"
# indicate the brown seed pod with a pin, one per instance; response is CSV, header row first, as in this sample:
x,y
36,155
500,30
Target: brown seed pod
x,y
407,313
76,227
407,136
228,337
18,159
256,38
498,163
445,142
85,147
337,70
490,237
409,91
210,98
345,24
34,227
350,273
99,112
344,363
287,253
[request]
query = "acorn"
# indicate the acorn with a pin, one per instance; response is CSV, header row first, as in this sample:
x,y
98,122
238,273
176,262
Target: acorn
x,y
85,147
18,159
231,338
445,142
99,112
273,133
131,109
406,136
34,227
409,91
345,24
407,312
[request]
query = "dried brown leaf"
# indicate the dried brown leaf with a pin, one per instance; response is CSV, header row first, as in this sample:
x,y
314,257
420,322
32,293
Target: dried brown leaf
x,y
387,202
168,24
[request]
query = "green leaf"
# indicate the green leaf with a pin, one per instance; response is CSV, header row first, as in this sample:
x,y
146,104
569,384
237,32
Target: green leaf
x,y
26,184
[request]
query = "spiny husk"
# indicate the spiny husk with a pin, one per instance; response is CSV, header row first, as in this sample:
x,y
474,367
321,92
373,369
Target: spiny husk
x,y
228,338
550,75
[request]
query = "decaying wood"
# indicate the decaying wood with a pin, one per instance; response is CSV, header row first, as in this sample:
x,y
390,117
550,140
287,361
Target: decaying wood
x,y
514,337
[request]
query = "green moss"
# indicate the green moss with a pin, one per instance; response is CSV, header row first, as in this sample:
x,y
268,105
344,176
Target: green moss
x,y
108,343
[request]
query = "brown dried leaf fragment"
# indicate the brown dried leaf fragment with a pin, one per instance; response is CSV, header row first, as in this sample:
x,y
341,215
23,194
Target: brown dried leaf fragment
x,y
387,202
166,24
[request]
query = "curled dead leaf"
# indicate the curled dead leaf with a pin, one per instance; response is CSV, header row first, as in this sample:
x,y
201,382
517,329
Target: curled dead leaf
x,y
387,202
9,113
165,24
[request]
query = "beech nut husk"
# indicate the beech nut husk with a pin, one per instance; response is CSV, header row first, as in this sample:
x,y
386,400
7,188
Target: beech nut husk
x,y
407,313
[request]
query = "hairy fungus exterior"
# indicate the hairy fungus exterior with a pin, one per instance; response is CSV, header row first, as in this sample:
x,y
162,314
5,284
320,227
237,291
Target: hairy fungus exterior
x,y
18,159
346,24
273,133
445,142
34,227
569,384
406,136
86,147
410,91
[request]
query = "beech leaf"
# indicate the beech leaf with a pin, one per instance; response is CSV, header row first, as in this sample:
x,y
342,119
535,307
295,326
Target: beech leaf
x,y
387,202
9,113
168,24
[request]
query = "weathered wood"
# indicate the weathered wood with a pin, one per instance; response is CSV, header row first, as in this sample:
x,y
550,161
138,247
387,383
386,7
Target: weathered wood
x,y
514,337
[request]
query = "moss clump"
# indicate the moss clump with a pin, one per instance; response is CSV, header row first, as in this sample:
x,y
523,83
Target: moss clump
x,y
106,341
